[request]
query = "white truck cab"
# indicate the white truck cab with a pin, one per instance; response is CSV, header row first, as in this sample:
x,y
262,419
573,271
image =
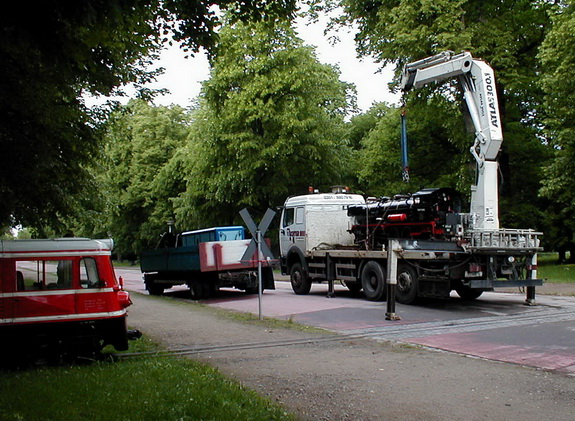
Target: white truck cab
x,y
312,222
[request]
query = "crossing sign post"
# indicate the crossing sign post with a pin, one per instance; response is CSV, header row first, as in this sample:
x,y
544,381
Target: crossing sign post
x,y
263,251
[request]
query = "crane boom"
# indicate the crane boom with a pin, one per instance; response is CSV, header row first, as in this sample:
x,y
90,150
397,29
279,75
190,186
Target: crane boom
x,y
477,82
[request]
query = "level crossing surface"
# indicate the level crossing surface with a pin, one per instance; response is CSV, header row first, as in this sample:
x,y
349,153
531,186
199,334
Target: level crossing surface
x,y
496,326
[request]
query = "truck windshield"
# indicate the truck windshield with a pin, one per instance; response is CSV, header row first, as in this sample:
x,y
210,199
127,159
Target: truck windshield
x,y
288,216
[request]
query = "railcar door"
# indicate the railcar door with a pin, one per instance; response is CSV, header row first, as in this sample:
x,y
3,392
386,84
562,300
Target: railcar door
x,y
7,288
93,296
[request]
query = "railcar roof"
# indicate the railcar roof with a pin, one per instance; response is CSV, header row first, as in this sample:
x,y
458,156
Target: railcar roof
x,y
59,246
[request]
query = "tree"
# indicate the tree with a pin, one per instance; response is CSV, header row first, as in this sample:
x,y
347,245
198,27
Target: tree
x,y
433,149
362,124
270,124
505,33
558,58
141,141
58,50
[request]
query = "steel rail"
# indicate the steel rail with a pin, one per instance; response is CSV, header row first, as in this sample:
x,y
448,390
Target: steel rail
x,y
395,333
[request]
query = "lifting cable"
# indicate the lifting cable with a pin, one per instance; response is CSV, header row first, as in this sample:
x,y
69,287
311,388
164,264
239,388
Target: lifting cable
x,y
404,150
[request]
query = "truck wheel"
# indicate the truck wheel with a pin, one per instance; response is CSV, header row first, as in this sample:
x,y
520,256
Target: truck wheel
x,y
407,284
373,281
299,280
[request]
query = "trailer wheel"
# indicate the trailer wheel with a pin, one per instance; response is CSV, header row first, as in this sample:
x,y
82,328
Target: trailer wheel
x,y
209,288
151,286
154,289
467,294
300,283
407,284
196,290
209,281
373,281
353,286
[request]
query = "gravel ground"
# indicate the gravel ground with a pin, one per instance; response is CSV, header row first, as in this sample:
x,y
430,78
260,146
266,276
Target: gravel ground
x,y
328,377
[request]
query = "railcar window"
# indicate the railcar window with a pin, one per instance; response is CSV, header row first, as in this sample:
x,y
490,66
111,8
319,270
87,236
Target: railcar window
x,y
89,277
32,275
44,274
20,286
63,275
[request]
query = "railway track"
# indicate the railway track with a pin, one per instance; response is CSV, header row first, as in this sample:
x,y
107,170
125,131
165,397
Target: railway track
x,y
396,333
406,331
240,346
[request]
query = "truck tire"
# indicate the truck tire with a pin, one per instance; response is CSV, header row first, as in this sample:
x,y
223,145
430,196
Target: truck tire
x,y
373,281
407,284
300,283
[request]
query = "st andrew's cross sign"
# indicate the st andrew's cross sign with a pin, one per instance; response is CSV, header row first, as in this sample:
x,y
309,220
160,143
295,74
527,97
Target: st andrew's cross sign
x,y
254,231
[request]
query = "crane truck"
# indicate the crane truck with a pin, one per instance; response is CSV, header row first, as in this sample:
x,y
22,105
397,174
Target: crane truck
x,y
342,236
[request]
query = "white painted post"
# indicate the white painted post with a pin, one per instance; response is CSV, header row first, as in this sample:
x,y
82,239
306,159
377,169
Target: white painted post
x,y
530,298
260,281
392,249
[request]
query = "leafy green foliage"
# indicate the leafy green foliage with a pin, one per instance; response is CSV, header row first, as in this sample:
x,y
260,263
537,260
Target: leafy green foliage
x,y
437,152
57,51
271,118
507,34
141,141
558,58
270,124
196,22
48,136
270,121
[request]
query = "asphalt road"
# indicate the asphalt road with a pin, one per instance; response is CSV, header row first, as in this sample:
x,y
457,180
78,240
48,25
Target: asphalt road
x,y
497,326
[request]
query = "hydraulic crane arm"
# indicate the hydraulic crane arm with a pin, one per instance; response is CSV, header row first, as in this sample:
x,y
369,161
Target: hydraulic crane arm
x,y
478,84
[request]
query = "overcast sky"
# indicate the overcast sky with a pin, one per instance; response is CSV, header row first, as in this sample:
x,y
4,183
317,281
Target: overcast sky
x,y
183,76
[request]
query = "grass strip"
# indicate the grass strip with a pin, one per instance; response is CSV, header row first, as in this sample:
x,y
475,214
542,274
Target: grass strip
x,y
167,388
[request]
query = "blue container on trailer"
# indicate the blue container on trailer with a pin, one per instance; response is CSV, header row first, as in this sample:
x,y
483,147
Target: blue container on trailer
x,y
194,238
186,257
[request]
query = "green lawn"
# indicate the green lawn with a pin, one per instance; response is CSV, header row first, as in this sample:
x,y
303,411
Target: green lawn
x,y
554,273
151,388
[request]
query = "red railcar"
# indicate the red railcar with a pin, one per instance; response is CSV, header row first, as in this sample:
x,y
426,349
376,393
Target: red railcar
x,y
60,296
